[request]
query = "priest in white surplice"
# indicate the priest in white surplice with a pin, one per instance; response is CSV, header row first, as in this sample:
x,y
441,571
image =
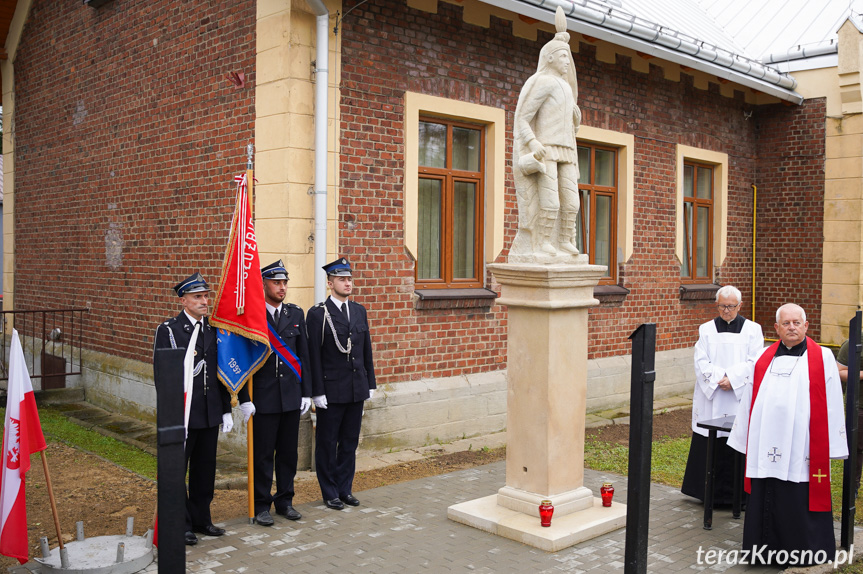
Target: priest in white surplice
x,y
790,423
725,355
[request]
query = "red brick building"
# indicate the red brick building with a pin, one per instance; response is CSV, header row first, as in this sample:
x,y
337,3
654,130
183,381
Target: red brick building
x,y
125,133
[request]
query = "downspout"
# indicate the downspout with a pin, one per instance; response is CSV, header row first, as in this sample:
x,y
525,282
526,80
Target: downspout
x,y
754,220
321,116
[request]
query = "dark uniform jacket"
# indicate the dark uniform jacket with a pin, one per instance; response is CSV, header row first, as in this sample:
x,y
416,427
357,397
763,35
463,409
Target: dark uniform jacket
x,y
342,378
210,398
276,388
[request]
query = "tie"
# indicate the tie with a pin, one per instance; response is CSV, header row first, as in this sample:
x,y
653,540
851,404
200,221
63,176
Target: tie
x,y
275,318
345,310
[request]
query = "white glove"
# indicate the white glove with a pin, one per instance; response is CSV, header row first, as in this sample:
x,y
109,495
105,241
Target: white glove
x,y
371,394
320,401
305,405
227,422
248,409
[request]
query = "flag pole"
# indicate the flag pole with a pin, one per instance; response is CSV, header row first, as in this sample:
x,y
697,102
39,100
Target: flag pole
x,y
51,498
250,455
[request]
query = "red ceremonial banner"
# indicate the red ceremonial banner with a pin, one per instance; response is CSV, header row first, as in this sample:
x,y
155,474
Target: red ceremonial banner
x,y
240,308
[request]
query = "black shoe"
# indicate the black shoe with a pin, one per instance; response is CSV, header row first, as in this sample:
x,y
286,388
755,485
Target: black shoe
x,y
290,513
349,500
210,530
264,519
335,504
191,539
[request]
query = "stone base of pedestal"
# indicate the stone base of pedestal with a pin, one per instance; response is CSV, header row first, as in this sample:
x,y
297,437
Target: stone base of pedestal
x,y
565,531
528,502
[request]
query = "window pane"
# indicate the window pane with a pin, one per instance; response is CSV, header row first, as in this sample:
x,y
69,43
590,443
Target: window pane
x,y
604,168
465,149
581,237
432,142
583,165
703,238
705,183
602,256
687,181
687,240
463,240
429,229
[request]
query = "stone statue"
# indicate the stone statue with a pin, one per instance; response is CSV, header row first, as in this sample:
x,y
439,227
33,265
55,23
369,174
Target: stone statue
x,y
545,158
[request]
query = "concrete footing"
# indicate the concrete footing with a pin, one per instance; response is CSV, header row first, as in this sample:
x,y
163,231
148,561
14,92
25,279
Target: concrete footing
x,y
100,555
486,514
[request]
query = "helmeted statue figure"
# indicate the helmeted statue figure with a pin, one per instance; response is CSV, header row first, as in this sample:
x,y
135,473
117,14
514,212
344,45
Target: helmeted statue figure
x,y
545,159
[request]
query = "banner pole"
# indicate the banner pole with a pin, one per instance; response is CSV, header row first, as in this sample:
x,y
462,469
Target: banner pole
x,y
51,498
250,453
250,458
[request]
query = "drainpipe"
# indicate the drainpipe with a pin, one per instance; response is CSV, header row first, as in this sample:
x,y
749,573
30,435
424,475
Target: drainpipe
x,y
321,117
754,220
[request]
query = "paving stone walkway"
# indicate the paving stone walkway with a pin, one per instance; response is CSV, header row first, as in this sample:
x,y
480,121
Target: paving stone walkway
x,y
403,529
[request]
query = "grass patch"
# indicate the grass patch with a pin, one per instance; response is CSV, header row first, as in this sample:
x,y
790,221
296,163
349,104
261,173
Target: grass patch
x,y
668,459
855,568
668,464
606,457
57,427
836,494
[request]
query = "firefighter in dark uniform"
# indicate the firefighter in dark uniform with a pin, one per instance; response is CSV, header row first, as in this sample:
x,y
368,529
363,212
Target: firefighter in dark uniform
x,y
211,402
281,398
343,376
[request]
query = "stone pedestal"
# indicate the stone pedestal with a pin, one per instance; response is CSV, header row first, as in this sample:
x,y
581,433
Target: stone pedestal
x,y
546,407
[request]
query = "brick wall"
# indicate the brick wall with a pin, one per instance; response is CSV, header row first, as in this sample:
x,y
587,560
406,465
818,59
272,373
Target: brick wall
x,y
663,115
790,180
127,139
390,49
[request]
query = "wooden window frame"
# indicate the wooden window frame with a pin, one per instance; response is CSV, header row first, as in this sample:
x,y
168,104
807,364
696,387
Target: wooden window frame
x,y
589,227
697,202
449,177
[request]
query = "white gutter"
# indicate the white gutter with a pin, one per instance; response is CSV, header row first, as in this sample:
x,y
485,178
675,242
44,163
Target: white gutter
x,y
801,52
617,27
321,116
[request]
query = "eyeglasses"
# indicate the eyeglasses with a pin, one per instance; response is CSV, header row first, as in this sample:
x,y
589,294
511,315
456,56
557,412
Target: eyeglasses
x,y
783,371
727,307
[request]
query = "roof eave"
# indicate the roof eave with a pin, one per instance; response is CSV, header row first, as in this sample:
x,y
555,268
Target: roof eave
x,y
627,41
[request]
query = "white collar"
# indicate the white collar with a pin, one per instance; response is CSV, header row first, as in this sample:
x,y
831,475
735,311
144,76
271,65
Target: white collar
x,y
271,310
192,320
336,302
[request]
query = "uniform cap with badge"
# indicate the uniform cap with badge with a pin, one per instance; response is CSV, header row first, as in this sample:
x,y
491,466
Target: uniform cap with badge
x,y
193,284
338,268
275,271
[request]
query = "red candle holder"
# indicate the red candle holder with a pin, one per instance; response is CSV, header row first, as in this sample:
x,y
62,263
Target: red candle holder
x,y
607,492
545,512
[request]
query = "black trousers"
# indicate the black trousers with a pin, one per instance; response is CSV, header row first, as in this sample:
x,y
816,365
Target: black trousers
x,y
275,447
696,471
201,466
778,518
337,436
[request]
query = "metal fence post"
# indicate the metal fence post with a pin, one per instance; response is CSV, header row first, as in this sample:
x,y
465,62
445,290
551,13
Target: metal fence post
x,y
171,462
849,476
640,444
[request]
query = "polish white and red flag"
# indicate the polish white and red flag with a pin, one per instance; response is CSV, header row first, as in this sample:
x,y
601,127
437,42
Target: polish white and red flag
x,y
22,436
